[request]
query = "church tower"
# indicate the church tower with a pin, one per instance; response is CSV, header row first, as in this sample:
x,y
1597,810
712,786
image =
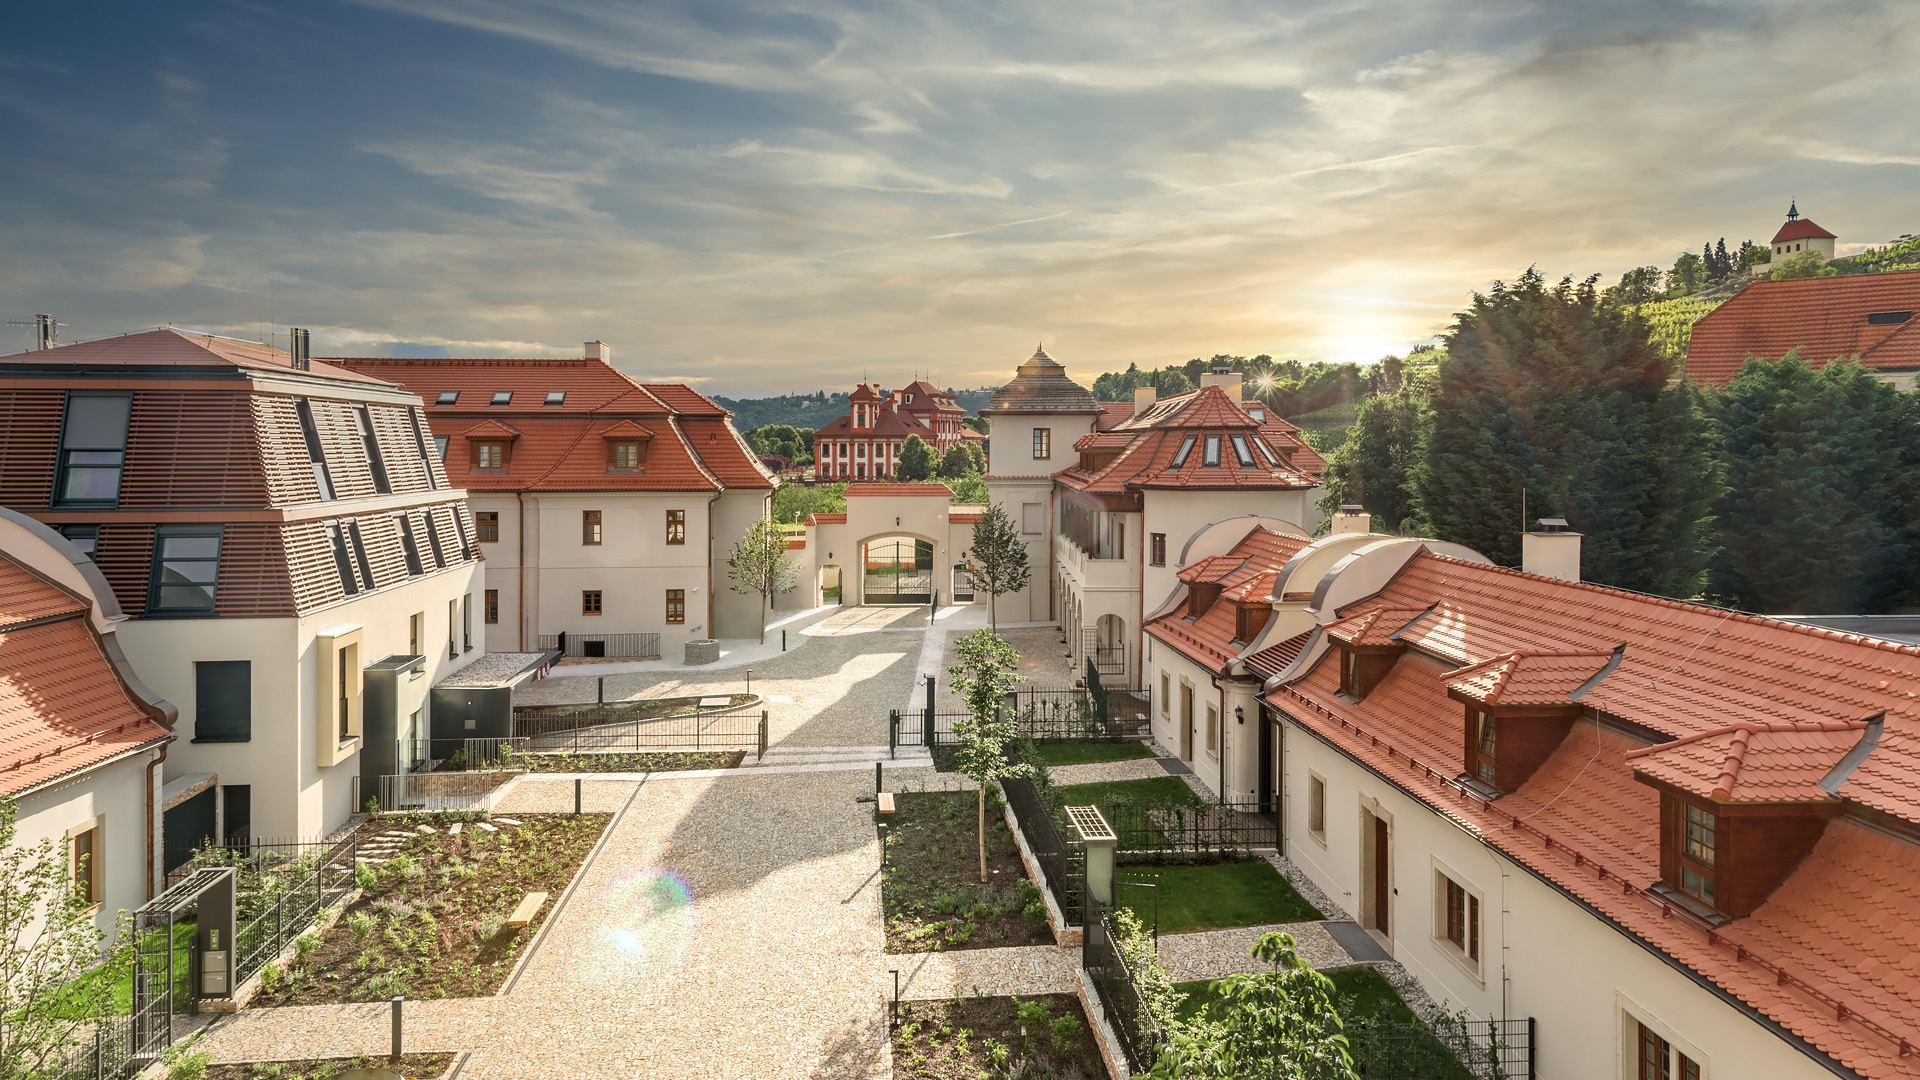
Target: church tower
x,y
1800,235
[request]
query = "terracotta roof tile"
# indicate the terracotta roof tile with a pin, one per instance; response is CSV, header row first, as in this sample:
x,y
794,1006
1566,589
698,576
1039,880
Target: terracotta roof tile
x,y
686,400
1211,568
1375,625
590,385
826,519
1802,229
858,490
1111,413
491,428
1274,659
1245,574
1826,318
1528,678
1750,762
62,707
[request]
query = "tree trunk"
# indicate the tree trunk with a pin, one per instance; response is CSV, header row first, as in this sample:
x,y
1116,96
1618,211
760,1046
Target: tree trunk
x,y
993,612
983,834
763,619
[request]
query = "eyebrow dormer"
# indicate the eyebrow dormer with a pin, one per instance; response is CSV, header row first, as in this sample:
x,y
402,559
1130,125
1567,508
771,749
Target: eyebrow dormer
x,y
1519,708
1741,805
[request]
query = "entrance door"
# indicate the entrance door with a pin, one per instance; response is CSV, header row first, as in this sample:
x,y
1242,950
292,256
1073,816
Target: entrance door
x,y
1186,722
1382,879
1267,766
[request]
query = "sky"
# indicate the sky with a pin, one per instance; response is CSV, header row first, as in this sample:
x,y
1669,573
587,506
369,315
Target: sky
x,y
785,196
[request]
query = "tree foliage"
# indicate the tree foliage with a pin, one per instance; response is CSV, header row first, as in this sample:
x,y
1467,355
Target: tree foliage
x,y
793,502
1277,1023
47,939
1550,391
1374,467
963,459
1822,509
1804,265
997,560
916,460
983,678
760,566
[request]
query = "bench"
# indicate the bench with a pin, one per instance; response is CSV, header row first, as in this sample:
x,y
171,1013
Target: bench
x,y
886,802
528,908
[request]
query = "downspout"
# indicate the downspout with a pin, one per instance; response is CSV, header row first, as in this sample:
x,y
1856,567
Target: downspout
x,y
153,823
1140,608
520,556
713,630
1220,718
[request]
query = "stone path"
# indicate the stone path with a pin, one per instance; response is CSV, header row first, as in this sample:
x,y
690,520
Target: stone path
x,y
1214,954
1101,772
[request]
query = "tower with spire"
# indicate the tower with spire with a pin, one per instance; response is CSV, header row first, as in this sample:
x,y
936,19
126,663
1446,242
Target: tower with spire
x,y
1800,235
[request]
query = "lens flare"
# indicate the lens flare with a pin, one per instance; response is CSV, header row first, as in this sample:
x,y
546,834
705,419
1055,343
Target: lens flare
x,y
642,928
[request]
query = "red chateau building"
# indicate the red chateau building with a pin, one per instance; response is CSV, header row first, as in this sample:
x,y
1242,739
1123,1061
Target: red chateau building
x,y
865,444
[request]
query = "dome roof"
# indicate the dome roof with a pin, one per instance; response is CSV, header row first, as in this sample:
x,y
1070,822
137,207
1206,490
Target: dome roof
x,y
1041,386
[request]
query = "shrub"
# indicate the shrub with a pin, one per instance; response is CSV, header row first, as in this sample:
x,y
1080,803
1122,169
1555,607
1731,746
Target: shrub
x,y
373,804
362,925
1065,1028
272,978
304,945
365,877
185,1063
457,761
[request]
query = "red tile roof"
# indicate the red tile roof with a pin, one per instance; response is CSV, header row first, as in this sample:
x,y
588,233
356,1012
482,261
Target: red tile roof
x,y
826,519
1146,460
1750,762
1246,573
1111,413
1802,229
857,490
1527,678
691,443
1374,626
62,705
1825,318
1275,659
1759,709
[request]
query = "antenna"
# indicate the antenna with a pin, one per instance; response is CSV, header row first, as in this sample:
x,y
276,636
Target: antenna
x,y
45,330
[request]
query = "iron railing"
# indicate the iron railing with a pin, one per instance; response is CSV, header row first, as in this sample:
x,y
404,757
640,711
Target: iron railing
x,y
436,792
104,1053
1102,660
621,646
1062,857
1140,1034
283,892
1168,831
1386,1048
612,729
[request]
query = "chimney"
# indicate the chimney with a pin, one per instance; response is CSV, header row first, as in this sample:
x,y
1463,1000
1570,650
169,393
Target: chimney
x,y
1352,518
47,331
1224,378
297,354
1551,551
1143,399
601,351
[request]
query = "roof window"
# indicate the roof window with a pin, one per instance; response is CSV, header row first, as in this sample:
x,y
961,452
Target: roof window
x,y
1241,452
447,397
1211,457
1888,318
502,397
556,397
1258,413
1186,447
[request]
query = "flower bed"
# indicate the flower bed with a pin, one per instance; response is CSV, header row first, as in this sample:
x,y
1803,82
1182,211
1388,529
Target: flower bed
x,y
931,892
415,1066
430,921
1044,1035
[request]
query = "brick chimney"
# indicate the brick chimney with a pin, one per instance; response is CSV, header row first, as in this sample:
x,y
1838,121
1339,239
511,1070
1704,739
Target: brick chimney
x,y
1552,551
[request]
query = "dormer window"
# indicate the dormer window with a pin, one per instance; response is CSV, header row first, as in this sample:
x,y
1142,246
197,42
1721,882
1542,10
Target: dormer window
x,y
490,454
502,397
626,454
1259,414
1697,853
1200,597
1485,748
447,397
1241,452
1211,458
1350,673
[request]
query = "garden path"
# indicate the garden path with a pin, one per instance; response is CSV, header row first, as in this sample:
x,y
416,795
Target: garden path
x,y
1101,772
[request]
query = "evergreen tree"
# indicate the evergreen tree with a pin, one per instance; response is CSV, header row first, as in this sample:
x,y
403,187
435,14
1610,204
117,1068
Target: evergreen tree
x,y
999,559
1552,391
1822,509
1723,263
1375,466
916,460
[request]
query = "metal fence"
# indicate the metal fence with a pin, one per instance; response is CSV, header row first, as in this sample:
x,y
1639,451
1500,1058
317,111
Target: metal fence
x,y
1164,831
1140,1035
1103,660
623,646
283,888
434,792
609,729
1385,1048
1042,714
1062,857
104,1053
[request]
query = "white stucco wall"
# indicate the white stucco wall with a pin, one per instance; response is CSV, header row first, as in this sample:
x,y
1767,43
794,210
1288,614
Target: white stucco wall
x,y
114,798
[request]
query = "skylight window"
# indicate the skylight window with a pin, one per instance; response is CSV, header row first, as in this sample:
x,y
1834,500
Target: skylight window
x,y
502,397
447,397
1241,451
1211,459
1888,318
1186,447
556,397
1258,414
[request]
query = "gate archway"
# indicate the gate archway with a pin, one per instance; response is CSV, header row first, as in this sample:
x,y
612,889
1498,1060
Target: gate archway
x,y
896,570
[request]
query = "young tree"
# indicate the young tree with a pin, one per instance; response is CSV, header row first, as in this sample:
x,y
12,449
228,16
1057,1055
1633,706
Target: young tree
x,y
916,460
1822,508
983,678
759,565
1551,391
1277,1023
47,939
998,559
1804,265
1687,275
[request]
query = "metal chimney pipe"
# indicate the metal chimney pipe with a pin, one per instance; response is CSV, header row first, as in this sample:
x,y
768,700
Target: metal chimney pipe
x,y
47,331
297,349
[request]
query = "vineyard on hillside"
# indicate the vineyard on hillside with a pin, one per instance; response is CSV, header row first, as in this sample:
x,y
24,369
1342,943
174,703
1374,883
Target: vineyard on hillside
x,y
1670,322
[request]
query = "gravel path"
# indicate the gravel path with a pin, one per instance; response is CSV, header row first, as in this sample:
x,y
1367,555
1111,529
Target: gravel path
x,y
1214,954
1027,969
1101,772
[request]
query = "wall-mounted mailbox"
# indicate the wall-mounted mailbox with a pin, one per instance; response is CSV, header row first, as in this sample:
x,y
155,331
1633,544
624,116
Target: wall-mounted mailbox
x,y
213,973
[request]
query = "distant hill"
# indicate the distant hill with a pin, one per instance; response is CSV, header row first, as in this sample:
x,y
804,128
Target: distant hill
x,y
817,410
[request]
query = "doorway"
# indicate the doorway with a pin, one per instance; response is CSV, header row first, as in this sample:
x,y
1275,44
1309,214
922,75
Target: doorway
x,y
1186,722
1376,866
1269,761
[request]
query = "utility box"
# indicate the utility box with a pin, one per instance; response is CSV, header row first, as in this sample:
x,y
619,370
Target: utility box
x,y
1101,841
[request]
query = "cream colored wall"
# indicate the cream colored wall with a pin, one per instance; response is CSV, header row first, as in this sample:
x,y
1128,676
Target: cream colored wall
x,y
1031,604
116,794
1010,442
1235,765
1783,252
1533,937
735,616
503,571
292,796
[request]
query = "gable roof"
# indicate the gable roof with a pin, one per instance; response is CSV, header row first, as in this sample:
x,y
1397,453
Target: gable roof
x,y
1150,441
1801,229
1825,318
1375,625
167,347
1754,763
1528,678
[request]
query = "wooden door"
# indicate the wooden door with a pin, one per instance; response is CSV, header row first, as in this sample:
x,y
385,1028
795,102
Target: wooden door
x,y
1382,879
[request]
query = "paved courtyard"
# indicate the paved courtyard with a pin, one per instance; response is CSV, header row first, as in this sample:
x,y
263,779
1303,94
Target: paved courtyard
x,y
730,925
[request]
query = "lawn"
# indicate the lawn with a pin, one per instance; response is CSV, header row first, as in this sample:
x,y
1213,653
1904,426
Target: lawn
x,y
1214,896
1089,753
637,762
430,921
1168,790
1362,996
931,893
74,1000
1043,1035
